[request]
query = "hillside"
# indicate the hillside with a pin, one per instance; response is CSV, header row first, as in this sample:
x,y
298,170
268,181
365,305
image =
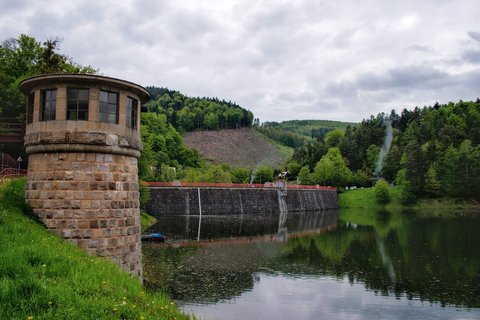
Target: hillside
x,y
192,114
295,133
239,148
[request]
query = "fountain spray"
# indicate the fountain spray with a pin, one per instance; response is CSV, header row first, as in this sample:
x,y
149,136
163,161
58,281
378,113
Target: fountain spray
x,y
387,142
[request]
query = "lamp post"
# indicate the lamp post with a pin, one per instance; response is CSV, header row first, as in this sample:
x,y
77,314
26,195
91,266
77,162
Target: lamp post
x,y
19,160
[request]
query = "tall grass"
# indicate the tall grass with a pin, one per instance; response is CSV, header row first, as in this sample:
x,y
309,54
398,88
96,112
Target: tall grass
x,y
44,277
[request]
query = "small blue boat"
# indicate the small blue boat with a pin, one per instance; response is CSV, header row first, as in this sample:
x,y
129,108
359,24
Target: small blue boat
x,y
153,237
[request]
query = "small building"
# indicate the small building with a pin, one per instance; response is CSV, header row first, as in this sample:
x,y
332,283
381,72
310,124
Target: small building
x,y
83,141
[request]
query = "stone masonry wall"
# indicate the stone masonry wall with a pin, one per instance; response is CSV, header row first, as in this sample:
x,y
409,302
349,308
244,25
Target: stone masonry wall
x,y
90,199
171,201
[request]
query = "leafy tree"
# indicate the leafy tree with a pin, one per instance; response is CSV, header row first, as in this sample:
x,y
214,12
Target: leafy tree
x,y
407,192
25,57
362,177
163,148
240,175
293,169
216,174
332,169
333,138
432,185
263,174
304,176
372,155
382,194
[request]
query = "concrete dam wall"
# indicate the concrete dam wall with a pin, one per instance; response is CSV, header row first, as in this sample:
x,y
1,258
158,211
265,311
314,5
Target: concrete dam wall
x,y
215,201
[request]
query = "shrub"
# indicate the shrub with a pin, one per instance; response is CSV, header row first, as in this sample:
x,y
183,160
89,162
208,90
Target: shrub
x,y
382,193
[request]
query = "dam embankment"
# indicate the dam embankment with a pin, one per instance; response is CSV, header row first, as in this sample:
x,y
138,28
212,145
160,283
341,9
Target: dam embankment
x,y
218,200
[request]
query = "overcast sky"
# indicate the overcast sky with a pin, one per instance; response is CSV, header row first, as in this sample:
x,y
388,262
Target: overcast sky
x,y
305,59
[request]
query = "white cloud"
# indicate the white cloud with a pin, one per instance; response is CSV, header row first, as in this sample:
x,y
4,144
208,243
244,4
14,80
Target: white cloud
x,y
281,59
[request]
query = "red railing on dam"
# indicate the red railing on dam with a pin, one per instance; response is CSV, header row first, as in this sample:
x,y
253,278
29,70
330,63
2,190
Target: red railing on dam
x,y
234,185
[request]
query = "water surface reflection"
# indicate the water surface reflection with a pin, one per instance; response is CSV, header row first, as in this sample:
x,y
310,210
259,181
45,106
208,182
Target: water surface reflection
x,y
361,265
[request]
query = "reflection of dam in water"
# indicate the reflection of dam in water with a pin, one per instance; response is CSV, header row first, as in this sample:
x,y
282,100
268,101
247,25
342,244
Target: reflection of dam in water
x,y
271,227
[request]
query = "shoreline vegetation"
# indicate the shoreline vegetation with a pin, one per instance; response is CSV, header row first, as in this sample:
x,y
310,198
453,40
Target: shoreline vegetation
x,y
44,277
365,198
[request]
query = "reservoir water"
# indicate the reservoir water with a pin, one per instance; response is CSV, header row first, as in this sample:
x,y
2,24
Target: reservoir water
x,y
348,264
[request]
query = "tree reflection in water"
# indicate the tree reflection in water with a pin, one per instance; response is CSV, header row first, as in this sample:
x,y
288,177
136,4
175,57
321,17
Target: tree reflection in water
x,y
391,253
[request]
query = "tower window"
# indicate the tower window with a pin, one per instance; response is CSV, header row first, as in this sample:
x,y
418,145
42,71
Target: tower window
x,y
77,104
30,104
132,111
108,107
48,105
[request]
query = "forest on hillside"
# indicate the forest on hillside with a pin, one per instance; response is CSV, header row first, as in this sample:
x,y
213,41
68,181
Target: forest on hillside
x,y
429,152
190,114
296,133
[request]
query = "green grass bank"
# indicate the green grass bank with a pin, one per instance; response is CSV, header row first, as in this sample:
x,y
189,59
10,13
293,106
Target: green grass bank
x,y
44,277
365,198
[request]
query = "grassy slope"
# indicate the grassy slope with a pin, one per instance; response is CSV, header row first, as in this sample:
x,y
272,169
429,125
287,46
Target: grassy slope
x,y
44,277
239,148
365,198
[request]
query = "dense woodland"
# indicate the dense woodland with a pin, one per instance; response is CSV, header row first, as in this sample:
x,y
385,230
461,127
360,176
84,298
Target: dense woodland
x,y
296,133
434,152
190,114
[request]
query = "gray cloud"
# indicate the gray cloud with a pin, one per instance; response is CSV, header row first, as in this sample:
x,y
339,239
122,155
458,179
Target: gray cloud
x,y
472,56
283,60
475,36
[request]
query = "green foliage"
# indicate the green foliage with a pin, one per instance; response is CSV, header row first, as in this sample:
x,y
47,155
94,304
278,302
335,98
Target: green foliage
x,y
44,277
216,174
362,178
432,185
382,195
293,169
297,133
447,135
263,174
372,155
408,194
146,220
333,138
287,138
163,149
304,176
240,175
25,57
332,170
144,194
190,114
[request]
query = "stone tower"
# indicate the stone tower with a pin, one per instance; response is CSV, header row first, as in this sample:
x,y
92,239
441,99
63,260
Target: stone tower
x,y
83,141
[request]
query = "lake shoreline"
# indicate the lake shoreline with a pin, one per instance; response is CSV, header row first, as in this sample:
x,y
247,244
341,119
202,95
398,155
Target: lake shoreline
x,y
365,199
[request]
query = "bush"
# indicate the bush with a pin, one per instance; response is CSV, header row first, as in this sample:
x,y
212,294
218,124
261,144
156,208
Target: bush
x,y
263,174
240,175
382,194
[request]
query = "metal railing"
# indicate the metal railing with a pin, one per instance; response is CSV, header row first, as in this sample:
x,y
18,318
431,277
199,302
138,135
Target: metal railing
x,y
12,173
268,185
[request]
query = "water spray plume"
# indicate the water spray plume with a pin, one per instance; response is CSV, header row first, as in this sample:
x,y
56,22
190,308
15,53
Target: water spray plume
x,y
387,142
